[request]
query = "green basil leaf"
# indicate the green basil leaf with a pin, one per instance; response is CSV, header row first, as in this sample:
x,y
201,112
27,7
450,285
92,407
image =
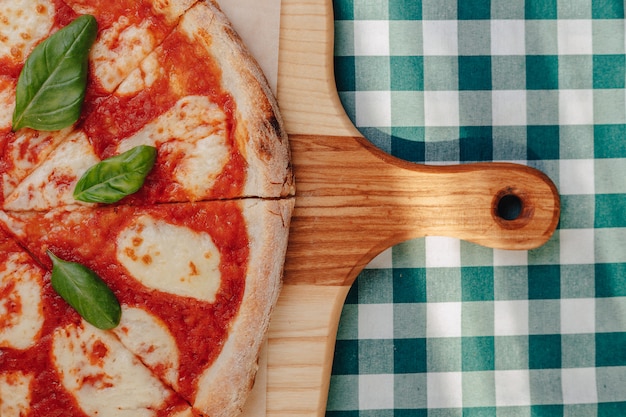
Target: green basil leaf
x,y
51,87
86,292
114,178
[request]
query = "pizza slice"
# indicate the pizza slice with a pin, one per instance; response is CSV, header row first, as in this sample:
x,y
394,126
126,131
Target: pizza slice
x,y
65,155
202,101
103,378
54,363
25,23
128,31
196,283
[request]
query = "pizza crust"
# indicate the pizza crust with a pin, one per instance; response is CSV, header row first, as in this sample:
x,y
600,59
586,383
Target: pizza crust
x,y
224,386
260,130
267,202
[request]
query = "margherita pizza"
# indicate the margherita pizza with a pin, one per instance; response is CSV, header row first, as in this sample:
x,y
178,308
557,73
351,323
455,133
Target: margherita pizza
x,y
171,192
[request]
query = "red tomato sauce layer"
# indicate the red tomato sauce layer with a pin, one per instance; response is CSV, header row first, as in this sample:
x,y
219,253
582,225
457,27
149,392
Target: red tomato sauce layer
x,y
186,70
48,397
200,328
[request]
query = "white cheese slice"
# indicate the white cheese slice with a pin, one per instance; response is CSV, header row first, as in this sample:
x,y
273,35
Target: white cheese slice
x,y
149,339
171,10
52,183
23,23
191,137
15,394
21,311
148,249
142,77
185,413
106,379
123,46
118,49
27,149
7,101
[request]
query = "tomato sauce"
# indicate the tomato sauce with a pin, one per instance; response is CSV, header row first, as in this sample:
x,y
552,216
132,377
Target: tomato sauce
x,y
186,71
10,68
63,14
10,303
200,328
48,397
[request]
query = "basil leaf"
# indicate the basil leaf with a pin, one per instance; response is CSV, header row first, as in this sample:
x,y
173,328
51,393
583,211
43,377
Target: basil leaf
x,y
51,87
86,292
114,178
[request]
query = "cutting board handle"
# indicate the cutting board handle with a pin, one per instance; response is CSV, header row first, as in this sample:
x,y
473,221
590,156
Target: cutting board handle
x,y
354,201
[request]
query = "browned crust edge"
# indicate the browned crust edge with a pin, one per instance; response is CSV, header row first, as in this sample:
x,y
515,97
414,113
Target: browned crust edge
x,y
260,129
223,388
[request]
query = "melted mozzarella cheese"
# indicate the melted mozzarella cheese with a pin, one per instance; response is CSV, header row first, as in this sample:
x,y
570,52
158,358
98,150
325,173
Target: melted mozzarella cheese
x,y
148,250
104,377
172,10
185,413
15,394
7,101
142,77
27,150
21,311
52,183
23,23
149,339
191,136
119,49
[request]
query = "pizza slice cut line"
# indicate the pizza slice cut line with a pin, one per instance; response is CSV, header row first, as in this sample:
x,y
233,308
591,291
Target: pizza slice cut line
x,y
129,31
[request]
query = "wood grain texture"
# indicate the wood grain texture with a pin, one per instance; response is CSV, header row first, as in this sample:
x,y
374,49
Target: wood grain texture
x,y
301,345
303,327
353,201
306,84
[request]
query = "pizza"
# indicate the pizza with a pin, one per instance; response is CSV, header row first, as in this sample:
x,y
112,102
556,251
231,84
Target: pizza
x,y
161,209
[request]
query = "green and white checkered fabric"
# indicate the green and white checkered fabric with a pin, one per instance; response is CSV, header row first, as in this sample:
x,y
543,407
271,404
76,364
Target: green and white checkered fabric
x,y
441,327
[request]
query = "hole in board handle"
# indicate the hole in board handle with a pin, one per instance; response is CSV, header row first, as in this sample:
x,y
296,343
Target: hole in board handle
x,y
512,209
509,207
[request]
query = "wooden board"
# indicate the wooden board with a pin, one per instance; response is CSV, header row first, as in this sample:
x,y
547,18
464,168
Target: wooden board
x,y
354,201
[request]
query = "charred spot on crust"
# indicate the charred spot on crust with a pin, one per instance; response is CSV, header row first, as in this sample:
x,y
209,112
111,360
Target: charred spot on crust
x,y
273,131
265,150
275,125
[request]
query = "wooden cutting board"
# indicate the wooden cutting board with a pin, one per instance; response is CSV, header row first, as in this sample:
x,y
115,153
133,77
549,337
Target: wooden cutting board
x,y
354,201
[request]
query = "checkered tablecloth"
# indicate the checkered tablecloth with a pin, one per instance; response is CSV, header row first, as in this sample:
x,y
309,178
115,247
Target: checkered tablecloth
x,y
441,327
